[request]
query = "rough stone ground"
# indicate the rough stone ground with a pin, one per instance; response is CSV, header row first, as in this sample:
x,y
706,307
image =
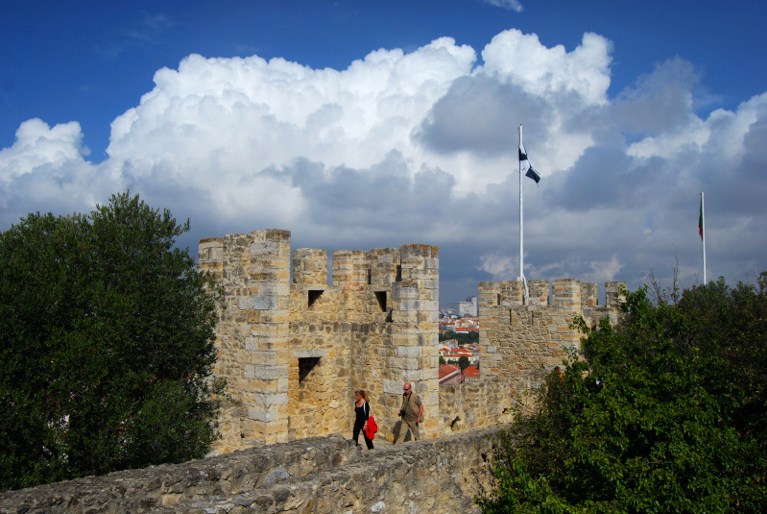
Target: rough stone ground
x,y
318,475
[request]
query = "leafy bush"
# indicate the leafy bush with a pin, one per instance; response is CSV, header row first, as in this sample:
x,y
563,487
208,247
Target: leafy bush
x,y
106,344
664,412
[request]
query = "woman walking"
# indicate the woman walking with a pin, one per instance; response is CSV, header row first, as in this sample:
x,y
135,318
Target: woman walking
x,y
362,413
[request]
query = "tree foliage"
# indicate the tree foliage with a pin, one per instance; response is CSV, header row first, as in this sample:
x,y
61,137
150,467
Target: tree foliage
x,y
462,339
106,344
665,412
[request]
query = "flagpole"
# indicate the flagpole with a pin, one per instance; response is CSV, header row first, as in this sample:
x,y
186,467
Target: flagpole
x,y
703,235
521,227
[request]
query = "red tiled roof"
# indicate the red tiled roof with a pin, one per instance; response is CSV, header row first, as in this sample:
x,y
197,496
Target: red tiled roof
x,y
447,369
459,352
471,372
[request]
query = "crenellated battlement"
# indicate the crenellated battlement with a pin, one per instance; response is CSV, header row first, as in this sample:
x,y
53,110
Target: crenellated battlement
x,y
563,293
294,345
295,349
373,285
518,340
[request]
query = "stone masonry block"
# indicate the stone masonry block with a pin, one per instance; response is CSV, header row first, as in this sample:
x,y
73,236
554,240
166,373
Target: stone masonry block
x,y
264,303
430,284
408,305
411,375
269,331
404,363
265,358
401,292
264,248
271,234
271,400
269,372
252,345
428,397
404,316
393,386
272,288
262,414
259,303
301,354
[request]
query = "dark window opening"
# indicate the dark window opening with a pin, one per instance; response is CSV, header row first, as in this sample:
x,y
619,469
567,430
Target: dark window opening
x,y
381,297
498,299
399,273
314,296
370,276
305,367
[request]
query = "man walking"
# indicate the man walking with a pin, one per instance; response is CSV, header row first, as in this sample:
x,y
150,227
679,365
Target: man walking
x,y
410,413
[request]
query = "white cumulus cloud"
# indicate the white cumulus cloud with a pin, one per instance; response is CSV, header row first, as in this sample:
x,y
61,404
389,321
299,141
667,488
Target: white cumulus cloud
x,y
422,147
511,5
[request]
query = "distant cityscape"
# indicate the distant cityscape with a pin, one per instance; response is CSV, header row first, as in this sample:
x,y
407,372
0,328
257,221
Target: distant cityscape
x,y
459,342
469,307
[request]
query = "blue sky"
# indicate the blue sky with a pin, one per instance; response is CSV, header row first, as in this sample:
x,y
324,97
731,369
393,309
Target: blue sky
x,y
225,113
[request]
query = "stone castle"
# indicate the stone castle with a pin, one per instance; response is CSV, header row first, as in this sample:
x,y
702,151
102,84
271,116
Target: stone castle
x,y
294,347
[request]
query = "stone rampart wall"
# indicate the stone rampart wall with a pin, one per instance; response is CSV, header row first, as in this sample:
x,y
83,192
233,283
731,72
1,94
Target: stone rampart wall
x,y
319,475
518,341
324,381
478,404
294,350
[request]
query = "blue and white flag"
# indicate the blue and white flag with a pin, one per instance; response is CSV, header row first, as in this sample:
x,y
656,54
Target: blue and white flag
x,y
527,166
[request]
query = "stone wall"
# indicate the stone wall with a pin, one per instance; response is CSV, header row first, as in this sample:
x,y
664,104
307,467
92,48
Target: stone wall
x,y
518,341
294,349
316,475
295,346
483,403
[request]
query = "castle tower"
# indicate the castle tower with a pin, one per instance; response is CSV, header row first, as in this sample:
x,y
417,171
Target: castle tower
x,y
415,309
293,351
252,333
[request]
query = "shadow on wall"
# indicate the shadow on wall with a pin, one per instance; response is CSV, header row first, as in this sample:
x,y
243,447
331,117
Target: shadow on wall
x,y
395,432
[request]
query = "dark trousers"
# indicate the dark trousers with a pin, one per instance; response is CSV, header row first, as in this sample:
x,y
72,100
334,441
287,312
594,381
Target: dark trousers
x,y
356,436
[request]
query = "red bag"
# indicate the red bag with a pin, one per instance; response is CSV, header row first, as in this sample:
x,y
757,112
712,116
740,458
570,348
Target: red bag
x,y
372,428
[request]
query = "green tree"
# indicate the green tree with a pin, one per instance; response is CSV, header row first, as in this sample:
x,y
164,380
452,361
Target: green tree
x,y
463,362
106,344
664,412
447,336
462,339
